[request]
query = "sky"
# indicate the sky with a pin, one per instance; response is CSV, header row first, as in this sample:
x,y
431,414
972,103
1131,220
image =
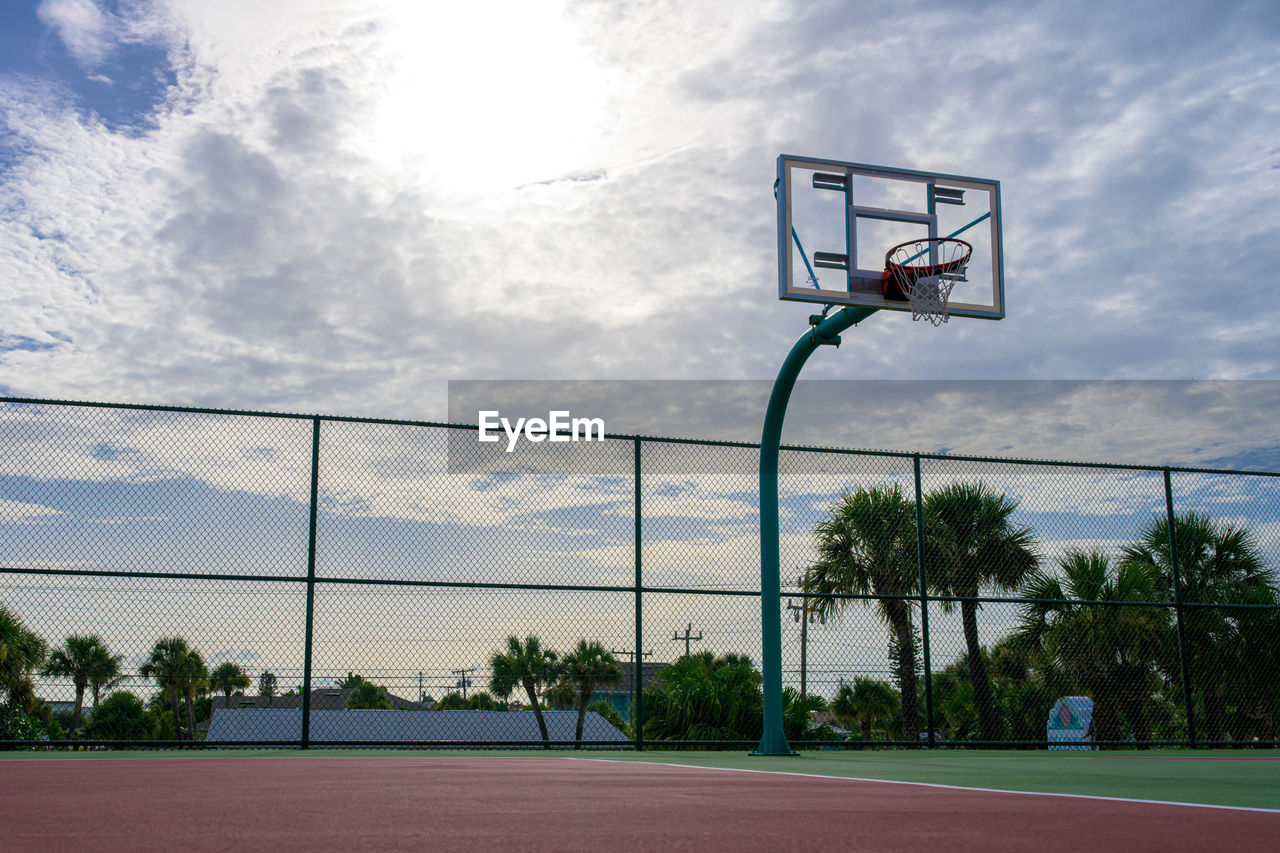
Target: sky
x,y
342,206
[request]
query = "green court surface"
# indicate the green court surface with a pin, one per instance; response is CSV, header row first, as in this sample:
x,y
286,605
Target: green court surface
x,y
1248,778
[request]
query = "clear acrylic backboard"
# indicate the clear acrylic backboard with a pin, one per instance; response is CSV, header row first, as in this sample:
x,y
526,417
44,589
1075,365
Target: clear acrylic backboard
x,y
837,220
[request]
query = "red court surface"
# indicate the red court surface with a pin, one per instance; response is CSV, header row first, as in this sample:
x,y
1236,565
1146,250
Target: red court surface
x,y
509,804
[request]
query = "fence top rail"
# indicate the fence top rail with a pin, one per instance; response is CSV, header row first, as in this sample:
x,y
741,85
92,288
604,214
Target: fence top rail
x,y
655,439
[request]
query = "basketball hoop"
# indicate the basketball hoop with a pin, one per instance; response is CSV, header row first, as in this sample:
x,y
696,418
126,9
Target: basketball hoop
x,y
923,272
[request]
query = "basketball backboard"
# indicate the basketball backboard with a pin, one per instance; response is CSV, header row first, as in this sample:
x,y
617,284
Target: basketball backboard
x,y
837,221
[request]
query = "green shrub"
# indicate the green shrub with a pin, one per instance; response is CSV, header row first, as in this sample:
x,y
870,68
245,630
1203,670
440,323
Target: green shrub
x,y
16,725
121,716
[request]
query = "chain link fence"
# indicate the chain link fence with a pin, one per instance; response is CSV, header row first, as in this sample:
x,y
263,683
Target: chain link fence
x,y
181,577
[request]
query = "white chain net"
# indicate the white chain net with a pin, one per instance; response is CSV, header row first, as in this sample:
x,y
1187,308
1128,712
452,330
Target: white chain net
x,y
929,294
928,298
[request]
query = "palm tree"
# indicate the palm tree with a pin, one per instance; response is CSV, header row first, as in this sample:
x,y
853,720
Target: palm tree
x,y
1025,681
867,544
797,716
970,543
588,666
227,678
195,681
21,654
105,674
529,665
702,697
1111,650
82,659
1254,665
1217,562
168,665
864,703
561,696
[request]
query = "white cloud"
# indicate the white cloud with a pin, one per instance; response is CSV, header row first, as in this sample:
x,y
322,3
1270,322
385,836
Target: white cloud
x,y
19,512
87,32
338,205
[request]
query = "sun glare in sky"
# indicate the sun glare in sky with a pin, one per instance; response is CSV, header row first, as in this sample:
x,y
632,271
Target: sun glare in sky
x,y
475,102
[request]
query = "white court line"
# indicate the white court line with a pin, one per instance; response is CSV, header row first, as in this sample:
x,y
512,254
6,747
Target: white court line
x,y
933,785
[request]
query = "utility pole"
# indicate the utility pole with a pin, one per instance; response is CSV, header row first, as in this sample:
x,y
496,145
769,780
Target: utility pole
x,y
687,638
635,668
463,681
631,653
804,616
422,695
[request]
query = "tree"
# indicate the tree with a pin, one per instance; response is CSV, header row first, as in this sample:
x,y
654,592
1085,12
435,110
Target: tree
x,y
452,701
797,716
81,658
954,713
1112,651
867,544
168,664
528,665
1253,666
482,701
352,680
367,695
1024,683
561,696
1217,562
611,714
194,681
864,703
971,542
267,685
104,673
21,654
121,716
588,666
478,701
227,678
16,724
702,697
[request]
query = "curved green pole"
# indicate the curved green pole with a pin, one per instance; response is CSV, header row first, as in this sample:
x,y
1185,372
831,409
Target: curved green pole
x,y
825,333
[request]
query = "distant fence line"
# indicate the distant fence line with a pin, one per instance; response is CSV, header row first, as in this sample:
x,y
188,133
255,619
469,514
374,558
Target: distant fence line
x,y
313,551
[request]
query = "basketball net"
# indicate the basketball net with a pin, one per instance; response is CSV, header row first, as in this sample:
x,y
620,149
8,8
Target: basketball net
x,y
922,272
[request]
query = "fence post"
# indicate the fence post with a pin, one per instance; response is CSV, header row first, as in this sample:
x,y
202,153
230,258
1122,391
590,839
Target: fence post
x,y
1177,607
637,669
924,604
311,582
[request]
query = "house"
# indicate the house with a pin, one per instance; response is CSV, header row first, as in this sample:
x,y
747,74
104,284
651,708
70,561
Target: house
x,y
322,699
59,706
828,718
621,695
248,724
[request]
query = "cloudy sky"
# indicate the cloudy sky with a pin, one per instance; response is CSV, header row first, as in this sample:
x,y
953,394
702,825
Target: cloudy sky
x,y
338,205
